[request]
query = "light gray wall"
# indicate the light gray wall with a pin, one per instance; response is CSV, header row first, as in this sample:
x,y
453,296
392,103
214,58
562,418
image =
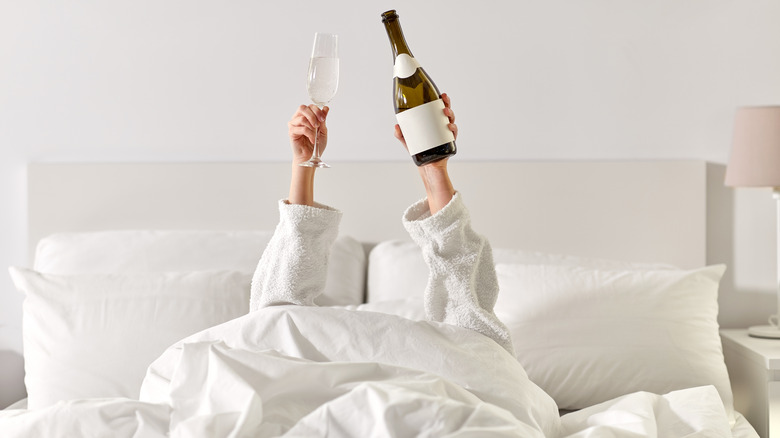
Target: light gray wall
x,y
202,80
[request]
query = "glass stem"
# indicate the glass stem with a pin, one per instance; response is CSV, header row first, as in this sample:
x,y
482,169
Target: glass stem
x,y
315,155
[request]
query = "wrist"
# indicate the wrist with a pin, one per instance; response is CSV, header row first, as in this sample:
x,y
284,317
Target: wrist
x,y
301,185
297,160
438,186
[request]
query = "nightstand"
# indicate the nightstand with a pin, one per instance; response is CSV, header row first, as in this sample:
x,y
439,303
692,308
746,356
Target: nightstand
x,y
754,370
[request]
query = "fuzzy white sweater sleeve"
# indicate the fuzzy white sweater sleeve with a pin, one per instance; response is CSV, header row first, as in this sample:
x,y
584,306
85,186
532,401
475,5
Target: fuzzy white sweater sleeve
x,y
294,266
462,286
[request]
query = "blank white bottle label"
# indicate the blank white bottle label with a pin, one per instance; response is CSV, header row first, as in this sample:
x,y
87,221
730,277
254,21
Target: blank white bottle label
x,y
425,126
405,66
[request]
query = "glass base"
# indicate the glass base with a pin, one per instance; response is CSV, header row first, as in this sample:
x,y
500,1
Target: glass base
x,y
315,162
764,331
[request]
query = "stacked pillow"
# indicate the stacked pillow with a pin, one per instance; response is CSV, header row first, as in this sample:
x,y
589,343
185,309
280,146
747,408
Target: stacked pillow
x,y
101,306
586,330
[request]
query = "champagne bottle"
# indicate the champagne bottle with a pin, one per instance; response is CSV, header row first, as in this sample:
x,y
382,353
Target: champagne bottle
x,y
418,104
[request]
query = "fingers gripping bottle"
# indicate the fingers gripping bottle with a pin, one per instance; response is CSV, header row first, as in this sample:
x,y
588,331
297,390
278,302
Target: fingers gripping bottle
x,y
418,104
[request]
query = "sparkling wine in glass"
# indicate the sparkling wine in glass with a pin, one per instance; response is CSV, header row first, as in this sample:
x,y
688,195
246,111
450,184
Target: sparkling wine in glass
x,y
323,81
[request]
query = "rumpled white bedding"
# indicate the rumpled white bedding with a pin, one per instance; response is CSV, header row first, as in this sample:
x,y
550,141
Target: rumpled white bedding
x,y
306,371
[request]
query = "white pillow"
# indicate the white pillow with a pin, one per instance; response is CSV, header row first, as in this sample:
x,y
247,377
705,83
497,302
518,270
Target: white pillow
x,y
396,269
94,335
137,251
587,335
153,251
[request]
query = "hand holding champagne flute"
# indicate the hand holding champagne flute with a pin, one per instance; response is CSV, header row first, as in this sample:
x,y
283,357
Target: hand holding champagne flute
x,y
323,81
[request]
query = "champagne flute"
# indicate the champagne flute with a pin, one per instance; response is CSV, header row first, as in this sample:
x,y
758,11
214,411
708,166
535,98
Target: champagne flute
x,y
322,82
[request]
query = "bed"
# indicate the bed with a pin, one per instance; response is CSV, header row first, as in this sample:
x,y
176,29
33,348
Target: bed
x,y
136,323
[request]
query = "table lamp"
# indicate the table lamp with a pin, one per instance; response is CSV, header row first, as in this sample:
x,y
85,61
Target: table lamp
x,y
755,162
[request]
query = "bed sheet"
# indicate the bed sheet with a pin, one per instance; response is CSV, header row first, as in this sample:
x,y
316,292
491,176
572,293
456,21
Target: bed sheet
x,y
298,371
740,429
57,419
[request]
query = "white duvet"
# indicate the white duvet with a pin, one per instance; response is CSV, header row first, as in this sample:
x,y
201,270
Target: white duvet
x,y
310,372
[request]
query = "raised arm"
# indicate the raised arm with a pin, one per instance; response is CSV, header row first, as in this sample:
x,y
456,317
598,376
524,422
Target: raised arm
x,y
462,286
293,268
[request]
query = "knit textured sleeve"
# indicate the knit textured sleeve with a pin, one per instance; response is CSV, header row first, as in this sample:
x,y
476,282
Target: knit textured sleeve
x,y
294,266
462,287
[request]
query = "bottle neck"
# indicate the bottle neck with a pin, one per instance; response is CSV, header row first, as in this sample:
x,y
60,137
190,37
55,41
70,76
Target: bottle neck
x,y
396,36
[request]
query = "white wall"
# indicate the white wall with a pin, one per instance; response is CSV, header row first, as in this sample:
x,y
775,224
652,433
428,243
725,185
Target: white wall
x,y
206,80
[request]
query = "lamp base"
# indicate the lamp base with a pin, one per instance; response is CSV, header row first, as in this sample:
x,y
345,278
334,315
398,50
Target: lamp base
x,y
764,331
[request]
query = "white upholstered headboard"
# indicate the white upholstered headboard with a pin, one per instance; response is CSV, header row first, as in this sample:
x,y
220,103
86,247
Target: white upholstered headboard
x,y
651,211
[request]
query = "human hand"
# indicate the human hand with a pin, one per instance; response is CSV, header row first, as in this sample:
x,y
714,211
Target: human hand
x,y
452,126
301,129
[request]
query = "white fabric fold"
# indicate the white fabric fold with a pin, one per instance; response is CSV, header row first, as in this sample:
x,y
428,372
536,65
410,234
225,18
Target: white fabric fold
x,y
294,266
693,412
462,285
289,369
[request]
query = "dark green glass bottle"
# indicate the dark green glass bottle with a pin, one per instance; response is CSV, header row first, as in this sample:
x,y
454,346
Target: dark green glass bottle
x,y
418,103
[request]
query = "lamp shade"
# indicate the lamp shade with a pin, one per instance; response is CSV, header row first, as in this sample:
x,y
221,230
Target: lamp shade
x,y
755,153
